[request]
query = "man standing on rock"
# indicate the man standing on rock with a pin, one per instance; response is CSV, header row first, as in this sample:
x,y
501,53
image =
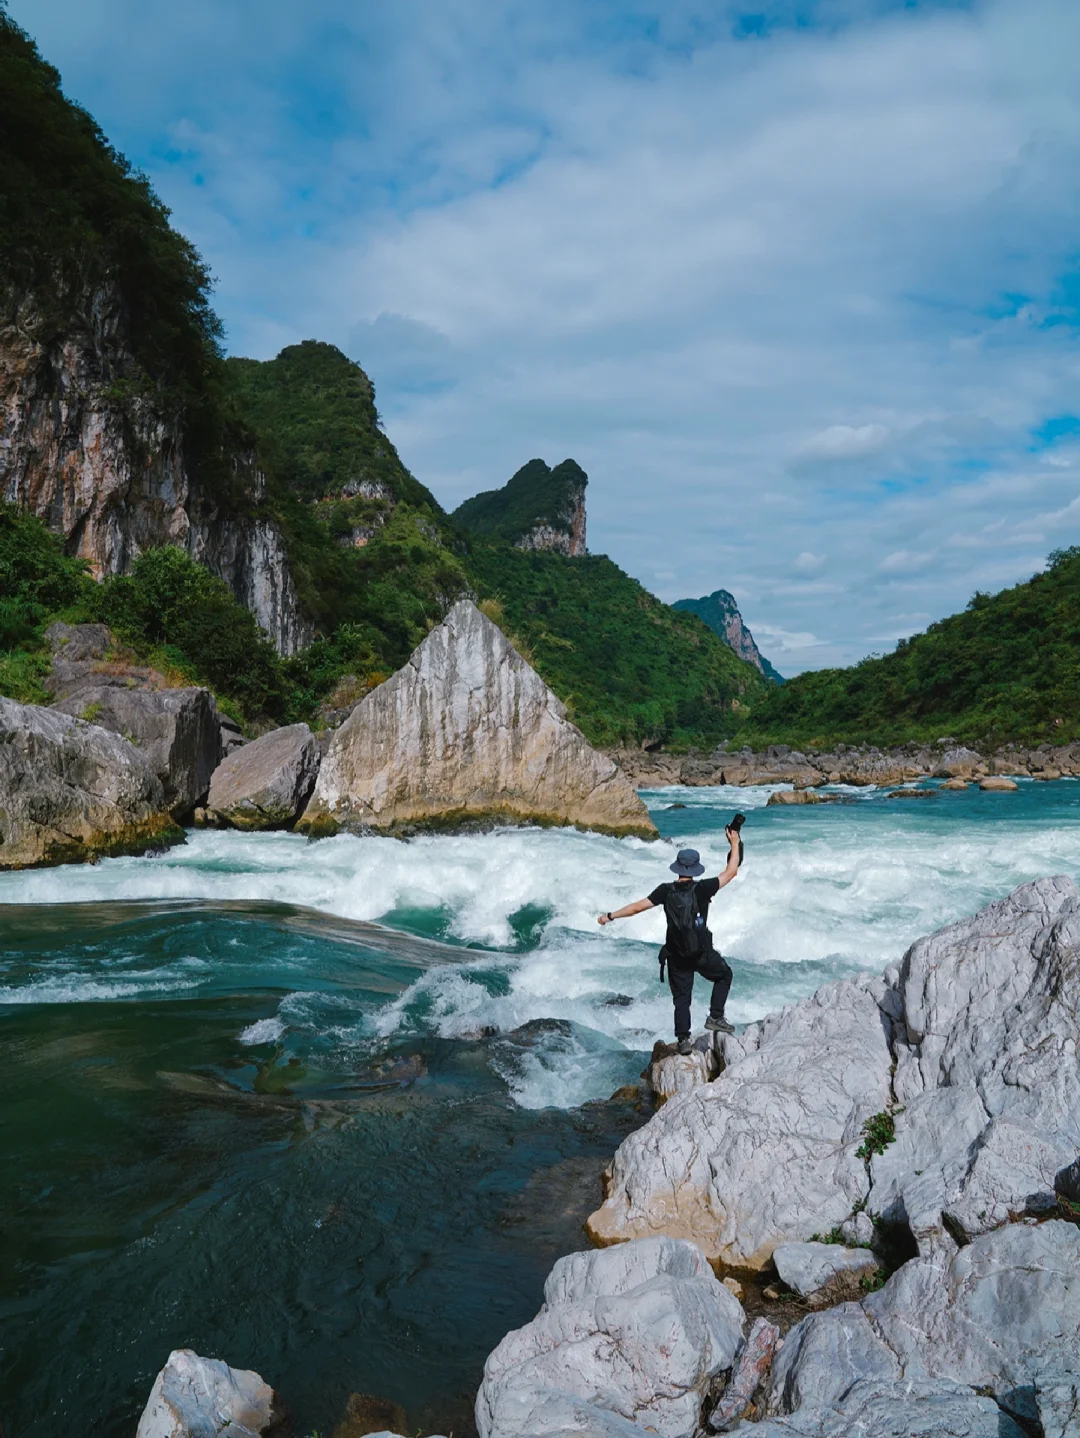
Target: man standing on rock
x,y
688,949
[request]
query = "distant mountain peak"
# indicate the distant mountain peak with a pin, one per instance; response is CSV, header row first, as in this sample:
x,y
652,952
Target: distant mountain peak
x,y
538,508
721,613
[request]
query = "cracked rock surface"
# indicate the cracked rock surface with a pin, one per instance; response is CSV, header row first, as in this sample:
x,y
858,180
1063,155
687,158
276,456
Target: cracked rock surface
x,y
628,1339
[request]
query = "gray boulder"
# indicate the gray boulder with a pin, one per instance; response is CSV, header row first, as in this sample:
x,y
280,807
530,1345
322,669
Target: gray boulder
x,y
824,1272
913,1408
177,730
991,1010
195,1397
981,1023
993,1319
265,784
767,1153
627,1336
71,791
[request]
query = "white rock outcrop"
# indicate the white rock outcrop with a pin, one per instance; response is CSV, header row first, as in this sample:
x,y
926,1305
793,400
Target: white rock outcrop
x,y
982,1024
767,1153
467,732
195,1397
628,1340
265,784
1001,1317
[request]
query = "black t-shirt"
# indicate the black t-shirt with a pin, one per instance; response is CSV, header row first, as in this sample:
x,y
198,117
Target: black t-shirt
x,y
706,890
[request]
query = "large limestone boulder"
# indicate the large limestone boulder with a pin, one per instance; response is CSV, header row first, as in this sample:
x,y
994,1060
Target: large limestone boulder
x,y
968,1050
71,791
195,1397
177,730
265,784
1002,1317
467,731
628,1340
768,1152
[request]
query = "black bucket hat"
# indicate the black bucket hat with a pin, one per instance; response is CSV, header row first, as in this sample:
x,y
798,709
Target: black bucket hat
x,y
688,864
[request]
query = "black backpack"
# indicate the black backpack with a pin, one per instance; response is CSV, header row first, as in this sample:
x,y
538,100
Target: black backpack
x,y
688,938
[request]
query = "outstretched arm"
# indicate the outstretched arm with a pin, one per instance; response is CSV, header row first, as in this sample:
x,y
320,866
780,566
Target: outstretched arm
x,y
732,858
626,911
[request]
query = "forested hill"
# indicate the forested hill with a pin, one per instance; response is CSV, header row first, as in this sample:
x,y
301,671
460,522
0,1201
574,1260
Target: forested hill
x,y
1007,668
538,508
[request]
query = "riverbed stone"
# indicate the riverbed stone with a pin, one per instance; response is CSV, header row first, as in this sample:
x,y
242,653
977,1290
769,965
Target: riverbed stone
x,y
266,783
627,1336
467,732
824,1272
195,1397
766,1154
72,792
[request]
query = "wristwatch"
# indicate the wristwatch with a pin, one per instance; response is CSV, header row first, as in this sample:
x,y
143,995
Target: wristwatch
x,y
609,918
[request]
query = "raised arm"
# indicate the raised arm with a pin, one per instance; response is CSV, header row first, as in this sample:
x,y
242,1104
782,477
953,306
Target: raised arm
x,y
626,911
732,858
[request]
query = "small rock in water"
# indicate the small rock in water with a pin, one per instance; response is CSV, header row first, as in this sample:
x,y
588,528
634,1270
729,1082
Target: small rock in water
x,y
365,1414
913,793
195,1397
997,784
954,785
801,796
676,806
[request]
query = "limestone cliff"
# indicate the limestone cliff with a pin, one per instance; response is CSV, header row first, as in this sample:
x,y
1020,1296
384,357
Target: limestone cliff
x,y
720,612
467,731
539,508
110,468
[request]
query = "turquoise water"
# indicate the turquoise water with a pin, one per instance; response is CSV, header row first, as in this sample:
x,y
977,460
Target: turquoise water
x,y
331,1110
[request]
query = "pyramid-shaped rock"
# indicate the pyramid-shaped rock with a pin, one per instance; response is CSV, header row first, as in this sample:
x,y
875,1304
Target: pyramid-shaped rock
x,y
467,731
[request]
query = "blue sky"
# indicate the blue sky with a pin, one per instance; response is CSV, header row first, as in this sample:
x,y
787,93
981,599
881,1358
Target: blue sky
x,y
797,283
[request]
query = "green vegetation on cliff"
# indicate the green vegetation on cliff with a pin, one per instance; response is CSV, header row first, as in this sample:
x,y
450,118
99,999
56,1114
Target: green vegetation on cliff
x,y
37,581
1007,668
314,412
536,495
73,215
629,668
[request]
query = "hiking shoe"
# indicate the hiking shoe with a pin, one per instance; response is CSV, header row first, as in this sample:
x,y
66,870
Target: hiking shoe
x,y
686,1046
719,1025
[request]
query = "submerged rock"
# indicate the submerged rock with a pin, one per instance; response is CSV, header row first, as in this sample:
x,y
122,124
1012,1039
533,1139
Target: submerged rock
x,y
265,784
71,791
998,784
467,732
628,1339
195,1397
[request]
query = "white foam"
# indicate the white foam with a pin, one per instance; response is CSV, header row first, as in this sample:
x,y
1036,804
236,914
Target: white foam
x,y
264,1031
823,892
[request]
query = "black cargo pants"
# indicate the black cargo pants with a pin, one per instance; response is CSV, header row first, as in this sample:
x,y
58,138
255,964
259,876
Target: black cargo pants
x,y
681,982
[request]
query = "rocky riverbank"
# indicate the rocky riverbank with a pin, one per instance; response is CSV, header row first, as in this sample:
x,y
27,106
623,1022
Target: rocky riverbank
x,y
846,764
465,734
896,1158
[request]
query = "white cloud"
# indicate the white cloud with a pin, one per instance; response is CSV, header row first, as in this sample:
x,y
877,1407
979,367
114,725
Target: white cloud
x,y
845,441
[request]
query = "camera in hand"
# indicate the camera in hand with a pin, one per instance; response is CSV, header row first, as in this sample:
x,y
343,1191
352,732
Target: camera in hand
x,y
736,825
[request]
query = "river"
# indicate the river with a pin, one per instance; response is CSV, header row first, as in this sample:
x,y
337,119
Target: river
x,y
331,1110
